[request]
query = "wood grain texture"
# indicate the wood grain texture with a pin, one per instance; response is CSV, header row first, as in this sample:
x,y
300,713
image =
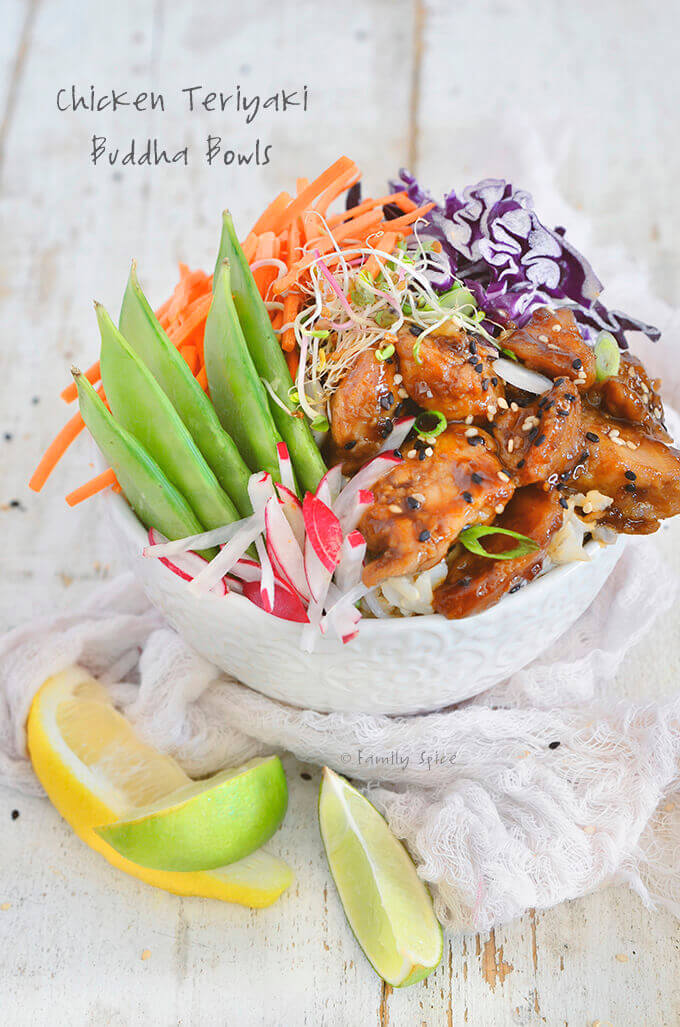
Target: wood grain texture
x,y
390,82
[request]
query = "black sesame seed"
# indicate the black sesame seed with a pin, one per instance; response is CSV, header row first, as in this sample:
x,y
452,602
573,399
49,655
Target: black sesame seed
x,y
564,503
553,745
397,453
473,360
479,368
540,440
631,475
562,413
577,364
542,403
415,329
494,381
584,456
413,503
473,346
15,814
475,440
592,437
521,463
570,396
422,455
477,478
387,400
485,384
558,381
305,776
424,535
532,433
550,404
398,410
515,588
386,428
351,444
15,503
464,582
420,444
467,496
630,487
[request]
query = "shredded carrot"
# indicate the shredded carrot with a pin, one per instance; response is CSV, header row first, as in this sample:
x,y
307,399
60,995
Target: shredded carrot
x,y
354,229
400,199
264,276
300,184
249,247
293,361
93,374
202,378
190,354
385,245
301,202
292,302
345,181
91,487
57,448
197,315
398,224
269,214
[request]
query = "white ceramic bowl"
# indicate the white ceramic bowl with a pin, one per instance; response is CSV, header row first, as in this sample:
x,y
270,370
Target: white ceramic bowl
x,y
402,665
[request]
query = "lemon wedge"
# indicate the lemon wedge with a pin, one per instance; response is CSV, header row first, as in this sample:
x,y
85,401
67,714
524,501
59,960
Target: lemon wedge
x,y
386,904
96,770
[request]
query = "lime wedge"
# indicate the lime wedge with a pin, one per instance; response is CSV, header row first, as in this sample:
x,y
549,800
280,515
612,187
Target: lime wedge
x,y
205,824
386,904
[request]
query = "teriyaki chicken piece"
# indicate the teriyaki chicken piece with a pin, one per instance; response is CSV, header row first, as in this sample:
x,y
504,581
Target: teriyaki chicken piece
x,y
362,410
551,343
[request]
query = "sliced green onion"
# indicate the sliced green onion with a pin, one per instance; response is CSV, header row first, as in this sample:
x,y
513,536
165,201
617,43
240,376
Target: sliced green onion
x,y
385,318
385,353
439,427
416,351
456,297
293,395
318,333
607,356
510,355
320,424
470,536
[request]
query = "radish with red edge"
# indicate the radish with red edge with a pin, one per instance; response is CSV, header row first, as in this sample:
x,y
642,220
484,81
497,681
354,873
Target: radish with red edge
x,y
237,546
283,549
287,606
267,578
292,508
286,467
323,531
369,474
399,432
363,499
247,570
348,571
207,539
186,565
330,485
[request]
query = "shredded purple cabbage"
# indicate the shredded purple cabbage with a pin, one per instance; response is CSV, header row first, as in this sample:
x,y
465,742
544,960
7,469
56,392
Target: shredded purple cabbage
x,y
493,241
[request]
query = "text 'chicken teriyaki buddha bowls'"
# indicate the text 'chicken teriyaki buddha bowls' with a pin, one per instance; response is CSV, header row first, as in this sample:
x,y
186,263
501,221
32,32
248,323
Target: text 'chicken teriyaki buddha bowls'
x,y
394,408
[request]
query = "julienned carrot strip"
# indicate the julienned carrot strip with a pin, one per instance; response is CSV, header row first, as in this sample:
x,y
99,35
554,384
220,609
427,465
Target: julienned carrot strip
x,y
57,448
276,319
190,354
293,361
345,181
292,302
351,229
285,282
300,184
277,206
385,245
397,224
249,246
339,168
93,374
202,378
264,276
197,314
294,248
400,199
91,487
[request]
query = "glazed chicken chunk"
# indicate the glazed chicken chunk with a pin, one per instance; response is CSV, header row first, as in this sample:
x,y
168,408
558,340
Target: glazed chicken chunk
x,y
422,505
551,344
542,439
640,474
475,582
631,396
450,372
362,409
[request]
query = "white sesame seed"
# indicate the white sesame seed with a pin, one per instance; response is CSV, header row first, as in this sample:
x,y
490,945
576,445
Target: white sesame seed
x,y
543,338
402,393
514,408
469,432
419,496
632,445
499,509
511,445
393,508
429,451
398,379
469,419
503,403
503,476
411,453
617,441
614,433
557,327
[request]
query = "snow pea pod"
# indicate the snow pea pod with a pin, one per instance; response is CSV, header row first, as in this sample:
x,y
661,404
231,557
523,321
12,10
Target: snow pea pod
x,y
235,388
154,499
139,404
139,326
269,360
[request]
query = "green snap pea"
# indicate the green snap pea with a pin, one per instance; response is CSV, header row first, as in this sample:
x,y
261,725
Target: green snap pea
x,y
139,404
154,499
235,388
269,360
139,326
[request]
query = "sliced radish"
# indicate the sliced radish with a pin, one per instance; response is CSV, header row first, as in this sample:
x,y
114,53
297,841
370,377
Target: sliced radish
x,y
399,432
267,577
520,376
283,549
362,501
185,565
287,606
348,572
317,574
364,479
329,487
323,531
260,489
225,560
207,539
292,508
286,467
247,570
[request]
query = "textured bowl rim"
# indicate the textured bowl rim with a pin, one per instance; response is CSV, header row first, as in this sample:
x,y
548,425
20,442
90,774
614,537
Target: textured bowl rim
x,y
554,578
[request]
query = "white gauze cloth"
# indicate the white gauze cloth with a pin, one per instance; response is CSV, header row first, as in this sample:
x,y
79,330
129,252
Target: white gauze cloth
x,y
498,818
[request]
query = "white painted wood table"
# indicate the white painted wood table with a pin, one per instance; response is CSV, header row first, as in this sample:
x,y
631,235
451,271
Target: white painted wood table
x,y
449,88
